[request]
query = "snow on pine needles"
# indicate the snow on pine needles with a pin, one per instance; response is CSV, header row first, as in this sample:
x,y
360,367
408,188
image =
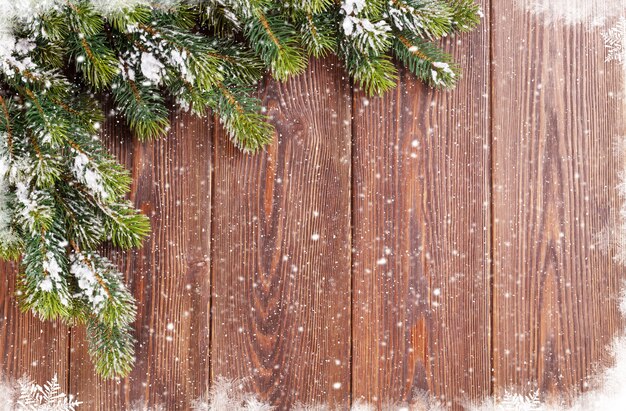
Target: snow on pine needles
x,y
592,13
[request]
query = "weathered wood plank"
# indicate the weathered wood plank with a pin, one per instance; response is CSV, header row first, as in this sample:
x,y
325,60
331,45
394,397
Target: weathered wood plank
x,y
169,276
28,346
281,247
421,237
555,122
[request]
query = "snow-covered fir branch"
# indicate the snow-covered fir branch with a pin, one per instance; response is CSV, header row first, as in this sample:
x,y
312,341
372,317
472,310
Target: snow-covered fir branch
x,y
365,33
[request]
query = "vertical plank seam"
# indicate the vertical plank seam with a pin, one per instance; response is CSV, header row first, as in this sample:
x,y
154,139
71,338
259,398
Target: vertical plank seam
x,y
351,190
214,136
490,16
68,377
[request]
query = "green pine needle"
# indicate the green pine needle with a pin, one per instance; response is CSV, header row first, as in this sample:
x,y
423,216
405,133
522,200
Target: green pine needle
x,y
426,61
249,130
275,41
466,14
144,108
375,74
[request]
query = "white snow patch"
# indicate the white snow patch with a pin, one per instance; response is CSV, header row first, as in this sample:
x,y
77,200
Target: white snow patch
x,y
46,285
82,268
152,68
113,6
353,6
179,59
361,29
227,394
88,175
52,279
569,12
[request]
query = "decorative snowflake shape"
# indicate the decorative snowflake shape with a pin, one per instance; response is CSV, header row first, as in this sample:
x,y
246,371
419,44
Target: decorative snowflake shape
x,y
34,397
518,402
614,40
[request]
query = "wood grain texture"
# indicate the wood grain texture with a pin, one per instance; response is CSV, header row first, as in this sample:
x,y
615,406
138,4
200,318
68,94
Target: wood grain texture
x,y
421,238
169,276
28,346
281,247
555,124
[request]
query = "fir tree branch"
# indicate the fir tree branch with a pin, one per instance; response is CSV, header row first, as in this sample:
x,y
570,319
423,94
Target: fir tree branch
x,y
426,62
276,42
7,125
247,129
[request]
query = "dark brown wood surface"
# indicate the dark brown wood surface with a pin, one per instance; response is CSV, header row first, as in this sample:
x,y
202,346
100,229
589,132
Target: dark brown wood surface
x,y
555,295
281,254
421,237
419,241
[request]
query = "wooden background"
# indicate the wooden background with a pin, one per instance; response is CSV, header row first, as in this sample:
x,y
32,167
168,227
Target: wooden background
x,y
380,247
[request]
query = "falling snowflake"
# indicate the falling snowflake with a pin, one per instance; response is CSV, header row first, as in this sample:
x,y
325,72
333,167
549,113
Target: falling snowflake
x,y
614,41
